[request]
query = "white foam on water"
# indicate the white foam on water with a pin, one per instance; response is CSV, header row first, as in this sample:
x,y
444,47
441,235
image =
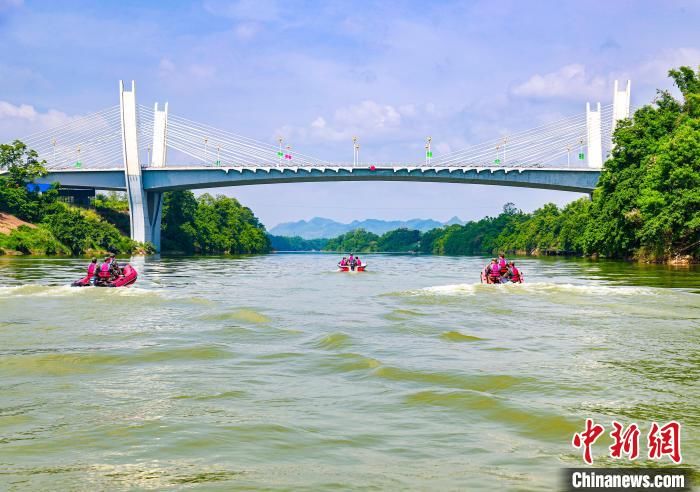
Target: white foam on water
x,y
596,290
535,288
35,290
38,291
448,290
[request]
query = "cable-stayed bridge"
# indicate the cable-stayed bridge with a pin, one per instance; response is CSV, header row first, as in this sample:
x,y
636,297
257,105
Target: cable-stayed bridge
x,y
147,151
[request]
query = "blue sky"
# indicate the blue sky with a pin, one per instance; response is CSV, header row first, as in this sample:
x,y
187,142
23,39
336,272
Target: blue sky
x,y
319,72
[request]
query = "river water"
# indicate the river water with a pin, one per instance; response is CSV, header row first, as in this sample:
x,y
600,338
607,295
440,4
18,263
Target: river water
x,y
277,372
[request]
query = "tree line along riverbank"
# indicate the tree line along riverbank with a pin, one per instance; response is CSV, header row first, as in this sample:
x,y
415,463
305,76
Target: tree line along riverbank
x,y
646,207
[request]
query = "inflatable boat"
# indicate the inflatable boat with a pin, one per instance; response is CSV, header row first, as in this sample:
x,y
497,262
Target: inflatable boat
x,y
346,268
127,277
486,279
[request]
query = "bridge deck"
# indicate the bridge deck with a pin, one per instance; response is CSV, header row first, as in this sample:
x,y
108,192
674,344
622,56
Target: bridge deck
x,y
175,178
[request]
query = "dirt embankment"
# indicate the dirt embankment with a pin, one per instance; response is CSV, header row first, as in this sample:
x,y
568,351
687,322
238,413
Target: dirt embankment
x,y
8,223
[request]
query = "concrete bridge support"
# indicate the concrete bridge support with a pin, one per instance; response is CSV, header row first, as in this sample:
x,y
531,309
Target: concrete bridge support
x,y
144,207
154,200
621,104
594,137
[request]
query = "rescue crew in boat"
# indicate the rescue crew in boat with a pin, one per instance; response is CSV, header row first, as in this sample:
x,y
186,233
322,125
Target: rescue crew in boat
x,y
494,272
92,270
114,266
514,274
500,271
107,274
351,263
104,274
502,265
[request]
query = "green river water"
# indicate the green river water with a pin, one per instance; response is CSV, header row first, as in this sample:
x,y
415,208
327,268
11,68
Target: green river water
x,y
276,372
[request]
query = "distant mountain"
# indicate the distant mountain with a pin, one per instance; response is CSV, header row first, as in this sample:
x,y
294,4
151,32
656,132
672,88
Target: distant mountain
x,y
319,227
455,220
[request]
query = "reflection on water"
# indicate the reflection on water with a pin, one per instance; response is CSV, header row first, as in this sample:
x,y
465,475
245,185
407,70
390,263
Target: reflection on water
x,y
278,372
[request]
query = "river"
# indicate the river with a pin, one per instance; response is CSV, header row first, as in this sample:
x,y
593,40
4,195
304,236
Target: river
x,y
277,372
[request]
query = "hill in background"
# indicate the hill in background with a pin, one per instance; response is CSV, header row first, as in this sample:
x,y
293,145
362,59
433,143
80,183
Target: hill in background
x,y
319,227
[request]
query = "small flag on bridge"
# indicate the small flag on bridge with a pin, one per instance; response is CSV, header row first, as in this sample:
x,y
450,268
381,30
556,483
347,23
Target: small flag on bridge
x,y
581,156
287,156
429,154
280,154
78,164
497,161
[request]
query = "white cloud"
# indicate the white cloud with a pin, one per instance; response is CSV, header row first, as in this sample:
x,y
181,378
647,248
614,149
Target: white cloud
x,y
246,30
657,68
166,65
201,71
166,68
569,82
365,118
17,121
370,115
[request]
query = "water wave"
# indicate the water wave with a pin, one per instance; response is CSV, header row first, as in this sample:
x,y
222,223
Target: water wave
x,y
66,363
459,290
474,382
333,341
455,336
225,395
596,290
143,476
538,425
245,315
32,290
349,362
38,290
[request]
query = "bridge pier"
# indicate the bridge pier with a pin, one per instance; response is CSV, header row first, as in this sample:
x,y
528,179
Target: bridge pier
x,y
154,200
154,208
144,207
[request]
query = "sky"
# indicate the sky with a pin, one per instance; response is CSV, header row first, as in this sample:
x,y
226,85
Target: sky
x,y
317,73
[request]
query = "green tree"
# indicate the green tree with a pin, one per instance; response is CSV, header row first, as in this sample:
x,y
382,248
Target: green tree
x,y
22,164
210,225
296,243
399,240
178,229
356,241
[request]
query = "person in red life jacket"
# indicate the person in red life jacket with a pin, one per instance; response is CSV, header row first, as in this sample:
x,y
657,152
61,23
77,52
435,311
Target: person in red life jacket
x,y
104,273
92,270
92,267
358,261
343,262
494,273
352,262
514,274
502,264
